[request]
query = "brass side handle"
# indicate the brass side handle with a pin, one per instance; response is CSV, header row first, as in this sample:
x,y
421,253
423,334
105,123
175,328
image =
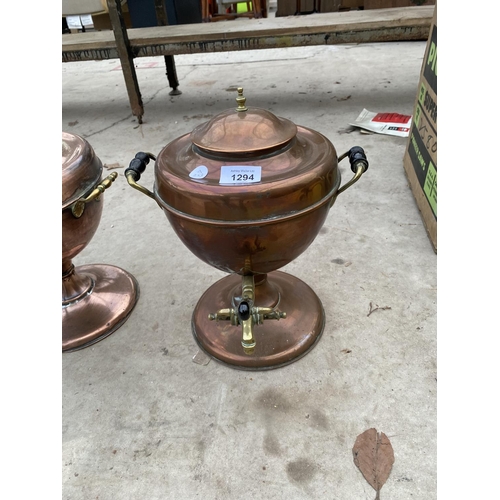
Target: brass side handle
x,y
136,168
359,165
78,207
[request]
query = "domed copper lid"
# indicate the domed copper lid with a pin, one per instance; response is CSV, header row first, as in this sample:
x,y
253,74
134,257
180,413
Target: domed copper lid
x,y
242,132
81,168
288,168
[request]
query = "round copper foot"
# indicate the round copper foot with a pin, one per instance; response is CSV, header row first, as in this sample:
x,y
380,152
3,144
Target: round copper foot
x,y
278,342
106,305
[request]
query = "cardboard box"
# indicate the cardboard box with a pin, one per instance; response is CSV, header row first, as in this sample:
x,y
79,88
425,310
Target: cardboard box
x,y
420,160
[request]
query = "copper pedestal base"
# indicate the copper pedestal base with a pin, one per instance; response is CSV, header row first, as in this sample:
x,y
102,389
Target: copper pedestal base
x,y
107,305
278,342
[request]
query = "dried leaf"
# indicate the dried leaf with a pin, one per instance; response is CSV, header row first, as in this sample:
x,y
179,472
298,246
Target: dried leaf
x,y
374,456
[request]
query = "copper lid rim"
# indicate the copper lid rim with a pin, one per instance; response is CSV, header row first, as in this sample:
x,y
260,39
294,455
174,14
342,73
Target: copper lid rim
x,y
243,154
261,222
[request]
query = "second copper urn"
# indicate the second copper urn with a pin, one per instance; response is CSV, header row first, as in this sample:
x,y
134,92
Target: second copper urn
x,y
96,298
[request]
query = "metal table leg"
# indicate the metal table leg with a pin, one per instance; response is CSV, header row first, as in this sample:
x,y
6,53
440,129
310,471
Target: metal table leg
x,y
161,17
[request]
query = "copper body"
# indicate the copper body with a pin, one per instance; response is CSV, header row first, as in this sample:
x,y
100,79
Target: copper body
x,y
250,229
96,299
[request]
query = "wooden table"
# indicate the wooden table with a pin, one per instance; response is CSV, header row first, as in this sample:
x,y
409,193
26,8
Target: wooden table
x,y
356,26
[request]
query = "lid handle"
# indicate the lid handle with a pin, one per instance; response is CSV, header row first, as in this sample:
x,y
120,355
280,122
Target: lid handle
x,y
241,99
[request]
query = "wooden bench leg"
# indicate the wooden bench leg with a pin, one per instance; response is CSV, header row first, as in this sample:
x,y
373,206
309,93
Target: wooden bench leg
x,y
126,58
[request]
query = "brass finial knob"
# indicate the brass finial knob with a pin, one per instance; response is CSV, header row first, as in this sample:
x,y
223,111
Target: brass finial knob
x,y
241,99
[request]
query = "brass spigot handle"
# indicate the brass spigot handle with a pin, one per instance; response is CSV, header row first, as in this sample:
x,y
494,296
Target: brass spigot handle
x,y
136,168
248,340
359,165
78,207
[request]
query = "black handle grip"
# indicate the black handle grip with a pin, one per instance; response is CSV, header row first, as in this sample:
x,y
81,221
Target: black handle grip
x,y
138,164
243,311
357,156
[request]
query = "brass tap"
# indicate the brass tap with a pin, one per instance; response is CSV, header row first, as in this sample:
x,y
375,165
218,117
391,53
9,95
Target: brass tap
x,y
247,315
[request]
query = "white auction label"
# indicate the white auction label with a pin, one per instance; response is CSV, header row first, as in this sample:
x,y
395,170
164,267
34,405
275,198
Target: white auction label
x,y
199,172
240,174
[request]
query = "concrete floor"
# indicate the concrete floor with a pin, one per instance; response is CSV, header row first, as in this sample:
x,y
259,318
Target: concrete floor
x,y
141,419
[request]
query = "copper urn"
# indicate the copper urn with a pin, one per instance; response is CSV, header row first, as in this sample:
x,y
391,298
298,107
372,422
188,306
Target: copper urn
x,y
247,192
97,298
